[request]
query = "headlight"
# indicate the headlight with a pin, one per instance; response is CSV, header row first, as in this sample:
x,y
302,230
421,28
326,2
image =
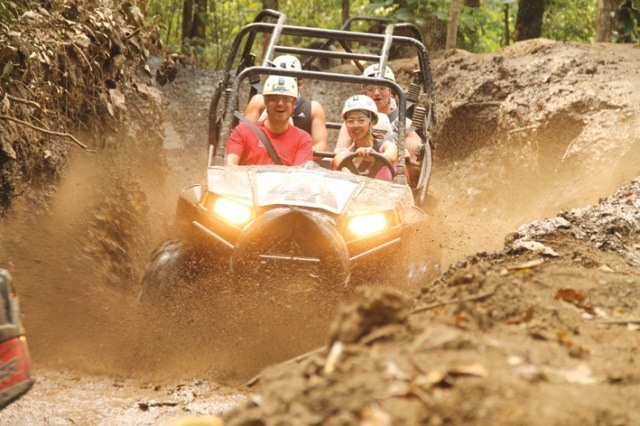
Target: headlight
x,y
232,211
368,224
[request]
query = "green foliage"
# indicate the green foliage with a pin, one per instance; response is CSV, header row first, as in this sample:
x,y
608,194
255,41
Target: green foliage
x,y
480,29
570,20
226,17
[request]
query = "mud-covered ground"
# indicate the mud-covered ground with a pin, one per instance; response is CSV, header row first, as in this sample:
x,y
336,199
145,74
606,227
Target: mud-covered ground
x,y
542,331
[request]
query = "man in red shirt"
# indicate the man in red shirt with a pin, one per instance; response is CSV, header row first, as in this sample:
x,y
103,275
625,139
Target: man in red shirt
x,y
293,145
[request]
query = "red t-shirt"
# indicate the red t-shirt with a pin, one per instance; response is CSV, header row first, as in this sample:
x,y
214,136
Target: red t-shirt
x,y
294,146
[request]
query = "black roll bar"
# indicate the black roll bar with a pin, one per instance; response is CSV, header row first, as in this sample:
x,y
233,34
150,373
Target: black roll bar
x,y
423,56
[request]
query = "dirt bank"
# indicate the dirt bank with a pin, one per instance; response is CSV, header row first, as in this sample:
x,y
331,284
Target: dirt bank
x,y
541,331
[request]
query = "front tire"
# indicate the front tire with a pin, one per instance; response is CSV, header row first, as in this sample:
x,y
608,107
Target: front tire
x,y
169,267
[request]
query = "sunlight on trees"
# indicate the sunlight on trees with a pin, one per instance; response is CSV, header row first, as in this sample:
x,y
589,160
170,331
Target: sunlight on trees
x,y
483,25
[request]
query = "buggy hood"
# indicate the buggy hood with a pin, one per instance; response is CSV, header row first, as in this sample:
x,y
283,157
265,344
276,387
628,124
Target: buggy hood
x,y
322,189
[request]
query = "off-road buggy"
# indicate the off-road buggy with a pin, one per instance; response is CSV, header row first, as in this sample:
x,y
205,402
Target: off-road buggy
x,y
329,225
15,362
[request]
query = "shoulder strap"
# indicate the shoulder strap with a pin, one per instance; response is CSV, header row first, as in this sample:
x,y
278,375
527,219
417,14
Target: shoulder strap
x,y
260,134
393,116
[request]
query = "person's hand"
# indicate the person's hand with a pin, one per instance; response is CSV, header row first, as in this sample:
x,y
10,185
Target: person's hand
x,y
364,151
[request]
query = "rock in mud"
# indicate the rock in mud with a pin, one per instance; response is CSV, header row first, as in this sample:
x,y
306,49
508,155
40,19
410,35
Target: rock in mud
x,y
372,308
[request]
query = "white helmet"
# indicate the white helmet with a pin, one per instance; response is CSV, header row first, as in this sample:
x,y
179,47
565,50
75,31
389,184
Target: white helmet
x,y
383,126
278,85
373,71
287,62
360,103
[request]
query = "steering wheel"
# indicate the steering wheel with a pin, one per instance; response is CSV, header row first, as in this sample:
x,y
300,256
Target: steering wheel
x,y
379,162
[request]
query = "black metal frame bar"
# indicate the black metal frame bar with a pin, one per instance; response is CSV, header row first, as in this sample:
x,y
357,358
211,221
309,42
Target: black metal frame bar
x,y
343,37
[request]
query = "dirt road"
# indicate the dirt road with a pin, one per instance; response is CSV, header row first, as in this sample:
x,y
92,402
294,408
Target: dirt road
x,y
539,128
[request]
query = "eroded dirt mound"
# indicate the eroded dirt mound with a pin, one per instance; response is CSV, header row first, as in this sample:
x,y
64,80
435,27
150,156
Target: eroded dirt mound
x,y
544,331
69,78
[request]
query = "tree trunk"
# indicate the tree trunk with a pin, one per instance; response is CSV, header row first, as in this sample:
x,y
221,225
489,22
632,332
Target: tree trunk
x,y
270,4
507,36
198,29
345,10
529,20
187,21
452,26
604,26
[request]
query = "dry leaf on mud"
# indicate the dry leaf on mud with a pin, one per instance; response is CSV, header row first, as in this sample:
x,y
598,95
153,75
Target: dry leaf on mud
x,y
537,247
575,349
575,298
117,99
528,316
527,265
374,416
581,375
571,296
433,378
606,268
332,359
7,149
475,370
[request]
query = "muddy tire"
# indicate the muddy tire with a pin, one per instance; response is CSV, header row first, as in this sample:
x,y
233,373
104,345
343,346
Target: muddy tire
x,y
285,232
166,272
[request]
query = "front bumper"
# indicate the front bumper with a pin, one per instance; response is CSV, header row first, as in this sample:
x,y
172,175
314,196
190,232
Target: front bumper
x,y
318,237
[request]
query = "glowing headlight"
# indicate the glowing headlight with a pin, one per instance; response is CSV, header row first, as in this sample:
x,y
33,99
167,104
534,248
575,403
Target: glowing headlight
x,y
232,211
367,224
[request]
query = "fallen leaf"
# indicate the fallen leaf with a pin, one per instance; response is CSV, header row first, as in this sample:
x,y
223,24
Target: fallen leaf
x,y
117,99
374,416
332,358
528,316
527,265
476,370
575,298
570,296
7,149
537,247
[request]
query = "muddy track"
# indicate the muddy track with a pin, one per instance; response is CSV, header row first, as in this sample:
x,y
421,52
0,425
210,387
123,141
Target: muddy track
x,y
539,147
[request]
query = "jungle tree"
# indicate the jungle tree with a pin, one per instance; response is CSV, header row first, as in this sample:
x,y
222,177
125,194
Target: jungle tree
x,y
529,19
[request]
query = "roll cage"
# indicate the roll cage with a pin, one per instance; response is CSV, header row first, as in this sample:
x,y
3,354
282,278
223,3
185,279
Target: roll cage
x,y
418,103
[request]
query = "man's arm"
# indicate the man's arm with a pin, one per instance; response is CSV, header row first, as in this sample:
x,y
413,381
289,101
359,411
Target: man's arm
x,y
232,160
255,107
411,142
318,127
